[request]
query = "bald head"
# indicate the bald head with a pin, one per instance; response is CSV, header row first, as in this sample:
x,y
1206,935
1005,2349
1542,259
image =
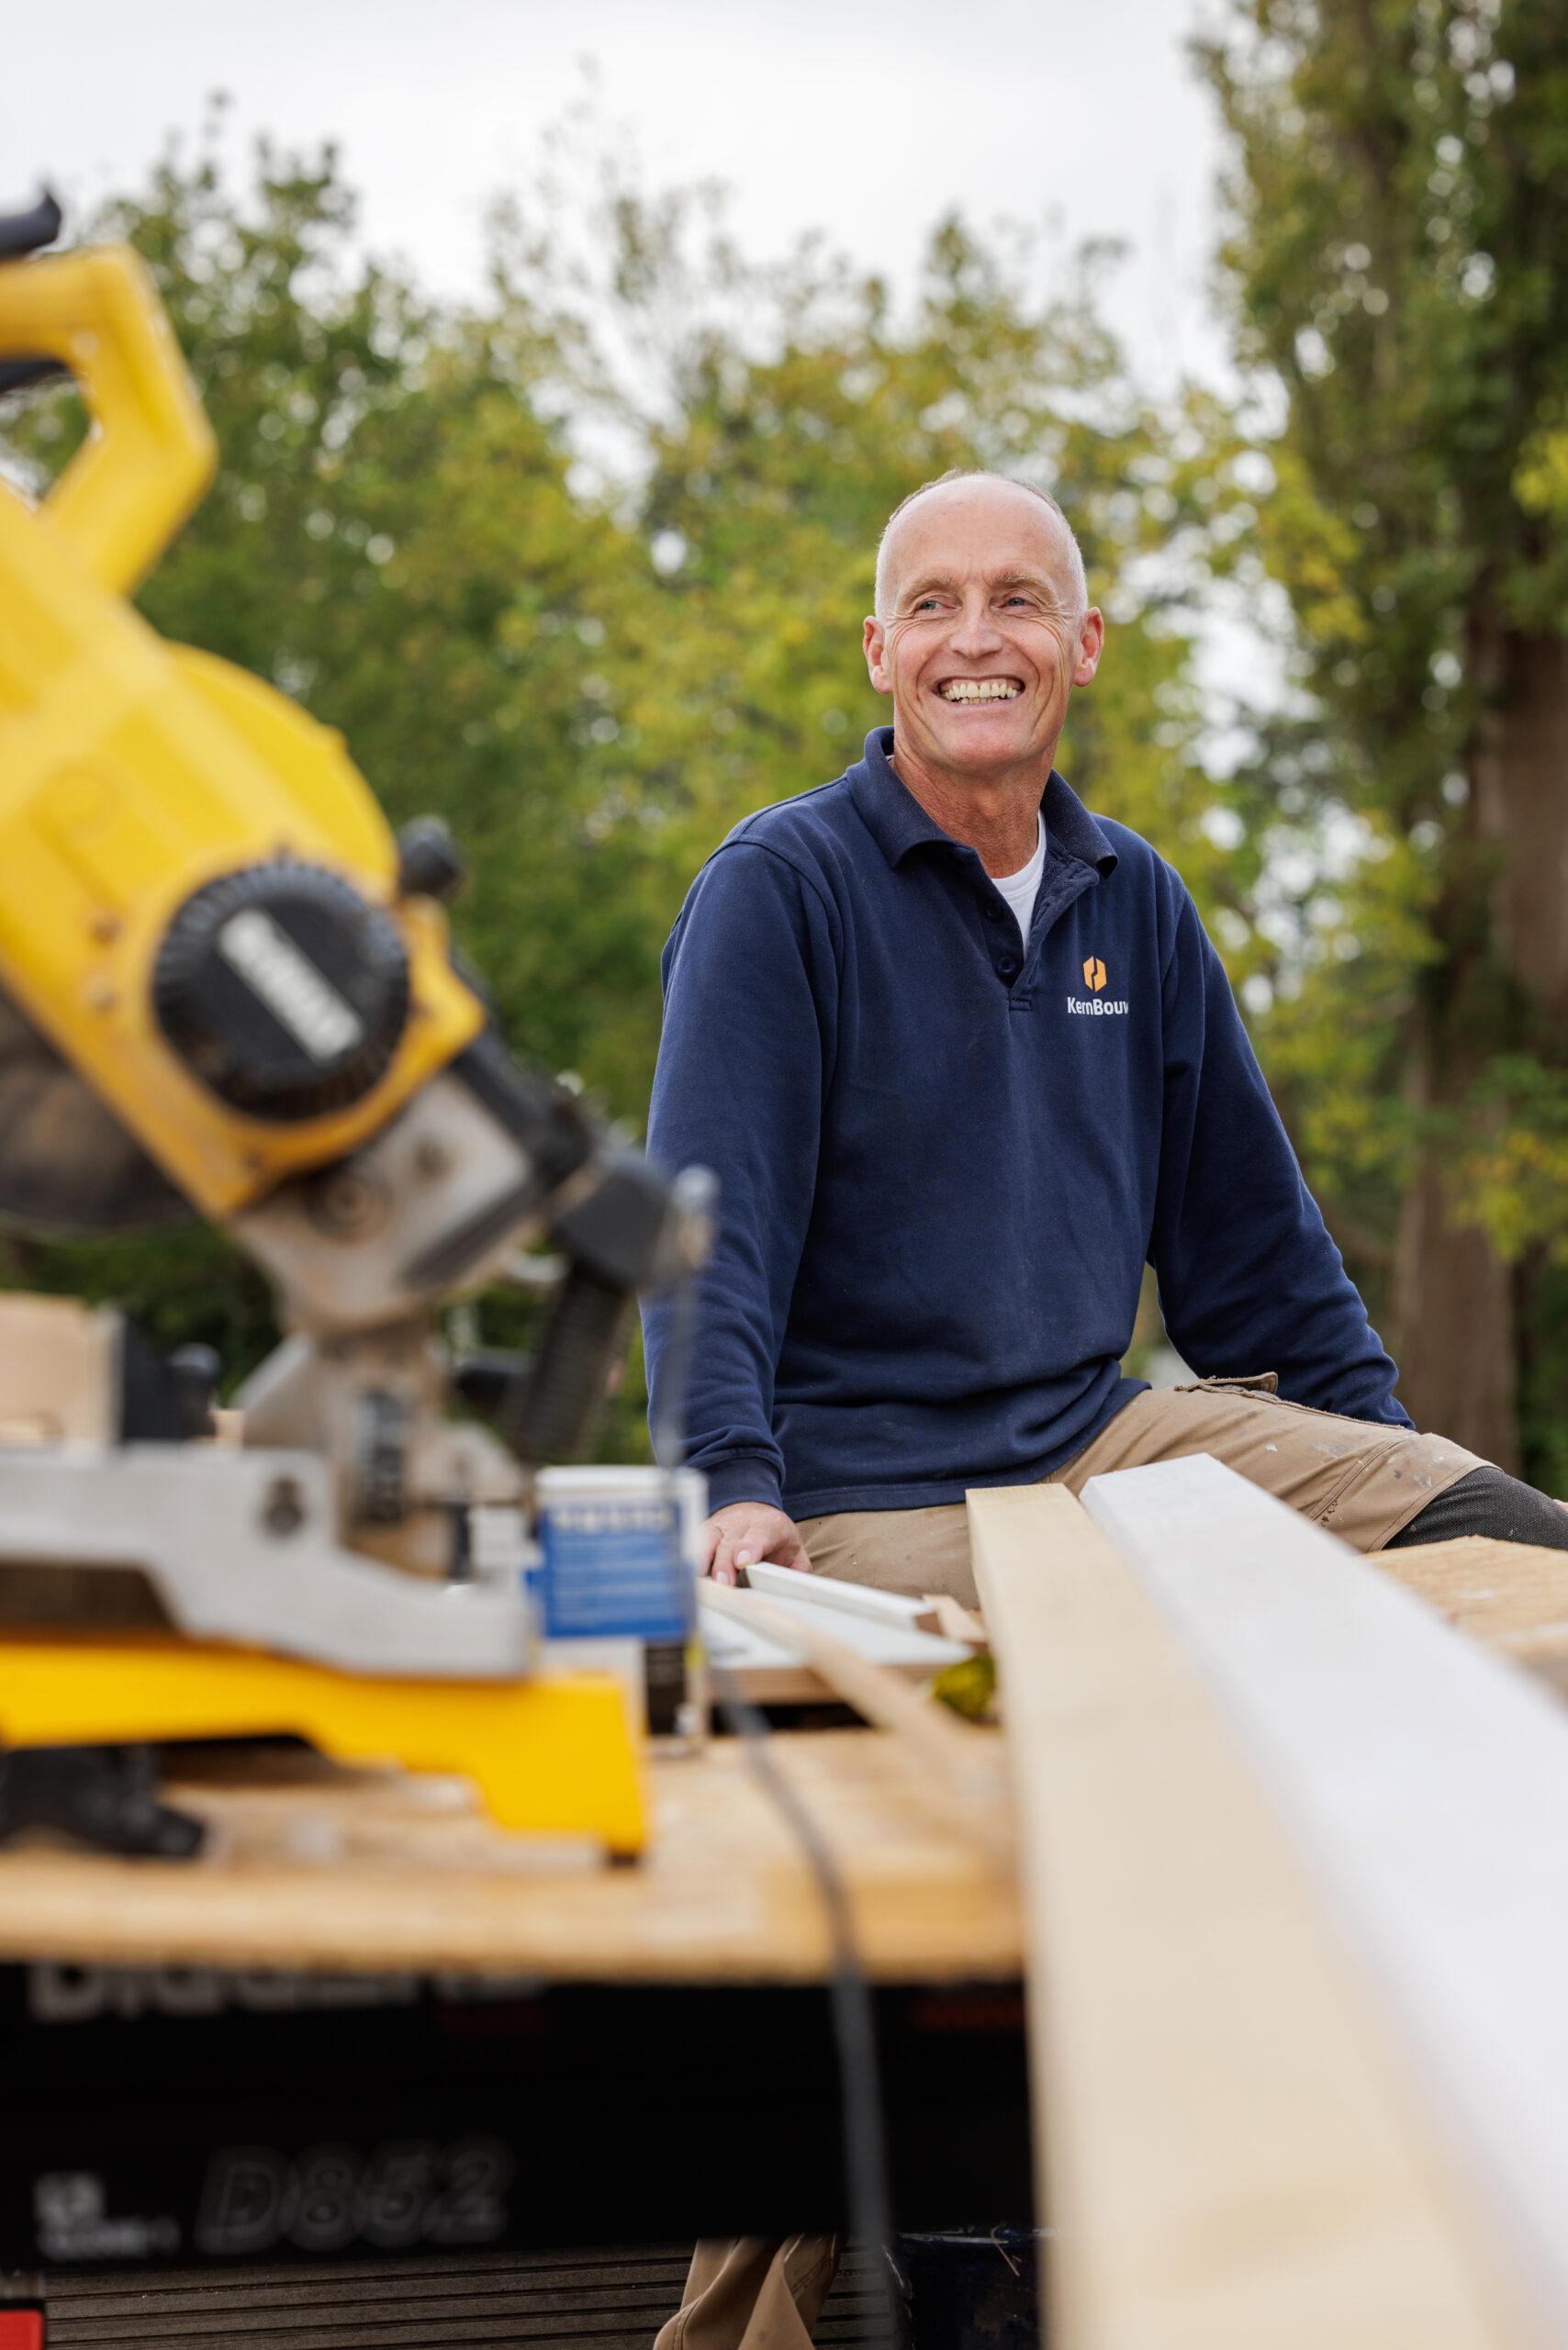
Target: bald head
x,y
980,636
973,493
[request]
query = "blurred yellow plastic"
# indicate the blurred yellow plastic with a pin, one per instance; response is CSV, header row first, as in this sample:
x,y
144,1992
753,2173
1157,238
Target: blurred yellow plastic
x,y
152,452
132,771
550,1756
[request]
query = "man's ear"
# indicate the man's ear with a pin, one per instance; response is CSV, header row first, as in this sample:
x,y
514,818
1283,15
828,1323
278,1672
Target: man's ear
x,y
875,641
1090,644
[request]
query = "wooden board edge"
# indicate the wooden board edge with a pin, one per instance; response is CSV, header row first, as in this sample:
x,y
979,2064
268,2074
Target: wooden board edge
x,y
1231,2157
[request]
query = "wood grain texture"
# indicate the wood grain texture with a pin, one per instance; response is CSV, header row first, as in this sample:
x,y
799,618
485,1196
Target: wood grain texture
x,y
1512,1596
1425,1783
1230,2159
377,1871
965,1771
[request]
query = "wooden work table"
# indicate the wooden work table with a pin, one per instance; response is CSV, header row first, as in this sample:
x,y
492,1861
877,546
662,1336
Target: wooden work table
x,y
576,2053
1511,1596
311,1867
360,1964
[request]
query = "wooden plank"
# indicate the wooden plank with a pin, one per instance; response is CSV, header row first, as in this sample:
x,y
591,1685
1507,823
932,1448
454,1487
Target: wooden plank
x,y
1231,2162
785,1684
1426,1780
900,1647
378,1873
767,1672
887,1607
1511,1595
961,1766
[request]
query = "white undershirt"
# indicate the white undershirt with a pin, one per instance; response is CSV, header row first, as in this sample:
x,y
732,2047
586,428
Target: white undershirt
x,y
1022,888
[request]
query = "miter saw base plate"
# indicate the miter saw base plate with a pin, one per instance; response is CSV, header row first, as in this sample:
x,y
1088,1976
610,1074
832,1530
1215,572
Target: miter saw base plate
x,y
547,1757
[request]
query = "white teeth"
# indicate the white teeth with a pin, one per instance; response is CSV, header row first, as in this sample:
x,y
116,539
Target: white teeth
x,y
979,689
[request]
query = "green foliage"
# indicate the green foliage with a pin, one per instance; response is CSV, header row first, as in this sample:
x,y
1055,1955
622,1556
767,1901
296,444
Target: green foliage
x,y
1398,221
180,1287
593,673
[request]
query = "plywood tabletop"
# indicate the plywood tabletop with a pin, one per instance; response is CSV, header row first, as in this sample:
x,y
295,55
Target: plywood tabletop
x,y
308,1867
1511,1595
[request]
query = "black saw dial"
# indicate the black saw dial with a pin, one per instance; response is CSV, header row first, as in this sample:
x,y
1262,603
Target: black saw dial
x,y
282,990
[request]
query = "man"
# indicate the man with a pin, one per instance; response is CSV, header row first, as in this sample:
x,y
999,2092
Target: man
x,y
963,1060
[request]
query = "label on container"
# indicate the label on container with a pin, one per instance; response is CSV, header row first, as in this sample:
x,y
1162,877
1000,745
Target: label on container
x,y
613,1566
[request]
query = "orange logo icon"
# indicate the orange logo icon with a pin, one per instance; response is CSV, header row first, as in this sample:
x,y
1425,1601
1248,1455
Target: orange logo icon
x,y
1094,973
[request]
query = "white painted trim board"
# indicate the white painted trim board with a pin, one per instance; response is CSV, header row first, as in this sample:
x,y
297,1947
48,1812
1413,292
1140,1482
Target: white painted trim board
x,y
1224,2148
1426,1782
829,1591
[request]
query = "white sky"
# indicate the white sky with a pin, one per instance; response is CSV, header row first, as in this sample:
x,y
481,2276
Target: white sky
x,y
867,123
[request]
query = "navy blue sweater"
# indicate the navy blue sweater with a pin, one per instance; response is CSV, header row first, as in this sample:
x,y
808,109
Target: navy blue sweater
x,y
942,1166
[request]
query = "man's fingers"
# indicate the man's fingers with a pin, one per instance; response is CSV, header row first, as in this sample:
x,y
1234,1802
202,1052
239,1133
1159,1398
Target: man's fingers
x,y
733,1552
726,1567
738,1536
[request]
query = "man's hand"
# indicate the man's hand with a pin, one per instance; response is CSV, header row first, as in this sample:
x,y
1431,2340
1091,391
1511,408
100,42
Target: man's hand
x,y
744,1533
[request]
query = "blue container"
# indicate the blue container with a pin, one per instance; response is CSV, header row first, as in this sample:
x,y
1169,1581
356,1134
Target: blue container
x,y
619,1552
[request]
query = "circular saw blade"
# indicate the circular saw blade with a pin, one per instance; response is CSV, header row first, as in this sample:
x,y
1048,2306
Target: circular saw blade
x,y
67,1165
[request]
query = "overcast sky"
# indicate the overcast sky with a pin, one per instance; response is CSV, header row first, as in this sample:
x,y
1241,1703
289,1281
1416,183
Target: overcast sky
x,y
870,123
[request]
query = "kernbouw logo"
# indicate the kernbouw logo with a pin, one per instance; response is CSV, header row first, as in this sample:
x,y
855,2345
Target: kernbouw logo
x,y
1096,1005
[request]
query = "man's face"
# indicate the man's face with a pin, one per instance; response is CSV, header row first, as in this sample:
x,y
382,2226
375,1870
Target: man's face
x,y
982,642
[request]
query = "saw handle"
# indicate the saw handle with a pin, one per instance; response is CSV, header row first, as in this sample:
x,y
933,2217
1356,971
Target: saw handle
x,y
550,1413
152,452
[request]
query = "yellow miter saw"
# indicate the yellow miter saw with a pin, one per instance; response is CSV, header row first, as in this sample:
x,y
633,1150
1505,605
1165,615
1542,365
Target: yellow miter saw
x,y
226,987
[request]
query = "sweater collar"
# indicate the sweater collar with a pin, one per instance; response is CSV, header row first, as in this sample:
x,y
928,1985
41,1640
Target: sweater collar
x,y
898,822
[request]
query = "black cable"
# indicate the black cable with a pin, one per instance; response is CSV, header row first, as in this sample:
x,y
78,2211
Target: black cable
x,y
854,2021
866,2196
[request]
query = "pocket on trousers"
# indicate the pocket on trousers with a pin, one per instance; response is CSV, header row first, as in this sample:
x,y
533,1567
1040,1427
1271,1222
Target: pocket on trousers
x,y
1256,1383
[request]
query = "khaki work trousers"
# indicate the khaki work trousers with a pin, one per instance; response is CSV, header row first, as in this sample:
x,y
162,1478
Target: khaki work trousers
x,y
1362,1481
753,2293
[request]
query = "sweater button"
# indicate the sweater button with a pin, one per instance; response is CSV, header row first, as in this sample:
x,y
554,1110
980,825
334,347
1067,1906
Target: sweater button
x,y
1006,965
991,913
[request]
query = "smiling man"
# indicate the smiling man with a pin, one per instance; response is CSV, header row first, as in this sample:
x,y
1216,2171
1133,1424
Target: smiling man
x,y
964,1060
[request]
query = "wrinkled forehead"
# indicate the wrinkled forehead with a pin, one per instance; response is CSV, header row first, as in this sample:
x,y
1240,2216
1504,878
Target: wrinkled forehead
x,y
989,533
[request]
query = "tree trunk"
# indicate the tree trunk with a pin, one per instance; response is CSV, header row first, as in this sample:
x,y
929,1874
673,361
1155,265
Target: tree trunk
x,y
1454,1326
1520,781
1454,1319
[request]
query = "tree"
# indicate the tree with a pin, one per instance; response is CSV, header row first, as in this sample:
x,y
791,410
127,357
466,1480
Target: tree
x,y
593,676
1398,212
